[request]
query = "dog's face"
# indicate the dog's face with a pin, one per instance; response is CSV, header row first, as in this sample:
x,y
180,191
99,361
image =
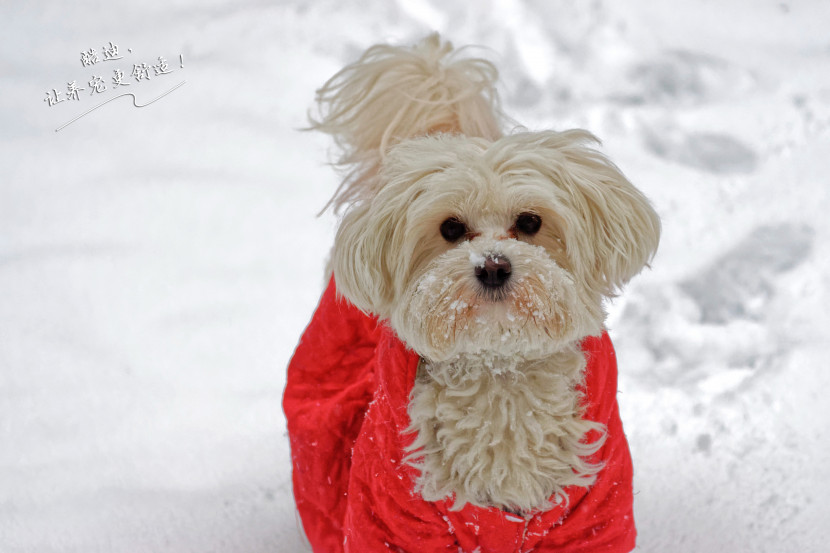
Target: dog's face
x,y
506,247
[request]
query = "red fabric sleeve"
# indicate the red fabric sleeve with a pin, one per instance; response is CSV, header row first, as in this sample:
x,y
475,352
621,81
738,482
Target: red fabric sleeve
x,y
329,384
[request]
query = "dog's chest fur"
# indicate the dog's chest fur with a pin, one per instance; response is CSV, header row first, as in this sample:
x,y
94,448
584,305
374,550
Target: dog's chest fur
x,y
501,431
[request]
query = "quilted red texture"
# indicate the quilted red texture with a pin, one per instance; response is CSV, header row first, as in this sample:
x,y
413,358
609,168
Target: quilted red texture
x,y
345,401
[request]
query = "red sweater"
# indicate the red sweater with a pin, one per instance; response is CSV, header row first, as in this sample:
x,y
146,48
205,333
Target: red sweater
x,y
345,402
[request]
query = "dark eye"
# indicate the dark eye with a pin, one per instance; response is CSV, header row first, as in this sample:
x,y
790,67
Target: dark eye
x,y
452,229
528,223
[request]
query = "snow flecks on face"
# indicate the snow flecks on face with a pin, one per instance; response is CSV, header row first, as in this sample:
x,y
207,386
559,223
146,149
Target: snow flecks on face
x,y
476,259
447,312
459,305
427,281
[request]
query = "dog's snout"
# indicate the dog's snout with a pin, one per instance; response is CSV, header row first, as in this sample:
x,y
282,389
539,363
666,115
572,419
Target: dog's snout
x,y
494,272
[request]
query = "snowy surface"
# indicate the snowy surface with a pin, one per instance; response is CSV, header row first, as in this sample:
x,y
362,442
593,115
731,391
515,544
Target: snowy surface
x,y
158,264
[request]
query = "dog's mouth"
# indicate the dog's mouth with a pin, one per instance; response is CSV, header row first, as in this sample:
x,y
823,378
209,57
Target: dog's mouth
x,y
493,295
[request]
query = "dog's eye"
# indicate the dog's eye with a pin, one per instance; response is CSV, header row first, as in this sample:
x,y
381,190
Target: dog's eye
x,y
528,223
452,229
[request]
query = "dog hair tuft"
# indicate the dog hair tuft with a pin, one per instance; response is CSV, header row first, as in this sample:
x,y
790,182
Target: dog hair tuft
x,y
393,93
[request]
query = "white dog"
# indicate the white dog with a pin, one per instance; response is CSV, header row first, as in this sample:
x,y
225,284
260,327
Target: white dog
x,y
489,255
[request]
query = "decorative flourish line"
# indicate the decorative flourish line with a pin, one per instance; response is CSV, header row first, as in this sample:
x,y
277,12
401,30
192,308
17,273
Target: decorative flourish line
x,y
119,96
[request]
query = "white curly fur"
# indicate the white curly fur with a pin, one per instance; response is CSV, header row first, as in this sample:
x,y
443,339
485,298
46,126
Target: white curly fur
x,y
504,431
496,408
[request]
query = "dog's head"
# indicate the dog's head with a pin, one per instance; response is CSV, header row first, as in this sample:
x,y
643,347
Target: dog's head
x,y
506,246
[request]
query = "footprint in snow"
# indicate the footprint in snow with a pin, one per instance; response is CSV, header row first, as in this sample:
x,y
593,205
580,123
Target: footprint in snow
x,y
682,78
713,332
711,152
741,282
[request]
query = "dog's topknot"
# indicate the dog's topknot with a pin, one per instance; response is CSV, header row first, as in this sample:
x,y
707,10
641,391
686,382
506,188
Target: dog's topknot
x,y
393,93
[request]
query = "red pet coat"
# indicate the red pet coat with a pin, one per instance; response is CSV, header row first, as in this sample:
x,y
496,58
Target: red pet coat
x,y
345,401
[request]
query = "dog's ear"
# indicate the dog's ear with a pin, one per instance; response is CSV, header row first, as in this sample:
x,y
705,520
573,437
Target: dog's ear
x,y
611,231
360,259
369,259
381,236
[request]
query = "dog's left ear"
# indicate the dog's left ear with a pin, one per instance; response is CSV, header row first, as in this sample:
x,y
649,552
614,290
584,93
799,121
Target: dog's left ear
x,y
611,229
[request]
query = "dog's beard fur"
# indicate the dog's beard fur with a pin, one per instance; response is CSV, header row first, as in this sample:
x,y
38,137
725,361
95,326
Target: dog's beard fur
x,y
501,431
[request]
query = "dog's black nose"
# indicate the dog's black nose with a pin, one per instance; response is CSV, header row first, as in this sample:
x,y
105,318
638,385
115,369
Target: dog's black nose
x,y
495,271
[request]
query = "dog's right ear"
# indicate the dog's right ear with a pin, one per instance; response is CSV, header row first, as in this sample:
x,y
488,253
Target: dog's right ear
x,y
360,258
379,236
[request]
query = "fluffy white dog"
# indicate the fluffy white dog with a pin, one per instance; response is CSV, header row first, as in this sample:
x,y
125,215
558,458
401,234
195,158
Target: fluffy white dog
x,y
490,256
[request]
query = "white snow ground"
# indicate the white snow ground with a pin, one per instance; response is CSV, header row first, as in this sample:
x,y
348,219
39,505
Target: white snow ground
x,y
157,265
